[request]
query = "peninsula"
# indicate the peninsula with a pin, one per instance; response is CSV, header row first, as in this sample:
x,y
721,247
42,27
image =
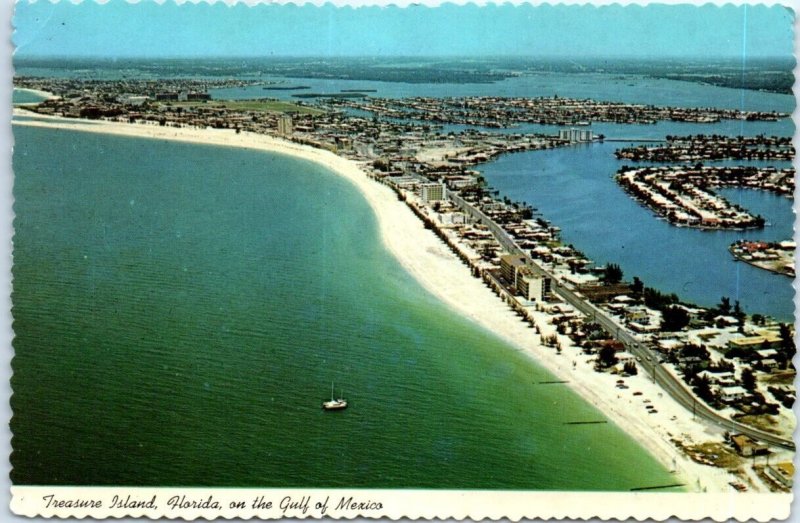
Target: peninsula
x,y
707,148
506,269
685,196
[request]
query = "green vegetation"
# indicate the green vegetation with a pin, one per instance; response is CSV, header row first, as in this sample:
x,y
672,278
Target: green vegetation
x,y
274,106
674,319
612,274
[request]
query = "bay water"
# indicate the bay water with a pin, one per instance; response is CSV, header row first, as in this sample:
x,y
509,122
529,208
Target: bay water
x,y
574,188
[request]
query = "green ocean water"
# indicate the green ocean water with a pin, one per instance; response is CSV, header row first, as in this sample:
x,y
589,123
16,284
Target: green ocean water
x,y
180,312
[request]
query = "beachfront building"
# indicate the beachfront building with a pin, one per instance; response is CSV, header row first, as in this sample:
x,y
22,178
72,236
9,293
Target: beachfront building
x,y
520,276
533,287
510,264
285,125
762,340
432,192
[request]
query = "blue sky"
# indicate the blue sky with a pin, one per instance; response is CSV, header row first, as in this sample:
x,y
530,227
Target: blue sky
x,y
119,29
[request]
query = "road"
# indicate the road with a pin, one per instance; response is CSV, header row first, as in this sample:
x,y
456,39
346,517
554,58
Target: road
x,y
650,363
648,360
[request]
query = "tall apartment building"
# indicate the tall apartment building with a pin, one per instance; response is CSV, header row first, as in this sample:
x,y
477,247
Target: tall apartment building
x,y
285,125
431,192
520,276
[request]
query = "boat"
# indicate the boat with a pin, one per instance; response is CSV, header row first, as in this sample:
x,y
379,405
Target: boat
x,y
334,403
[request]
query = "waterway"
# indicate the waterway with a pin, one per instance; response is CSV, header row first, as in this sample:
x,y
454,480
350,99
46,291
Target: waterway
x,y
181,310
574,188
619,88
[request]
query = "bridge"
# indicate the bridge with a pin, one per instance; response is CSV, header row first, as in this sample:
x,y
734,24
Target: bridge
x,y
648,360
649,140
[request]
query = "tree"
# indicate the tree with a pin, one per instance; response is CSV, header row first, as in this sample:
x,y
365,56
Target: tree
x,y
786,349
724,306
785,333
737,310
630,368
637,286
607,356
740,316
702,386
674,319
612,274
656,300
748,379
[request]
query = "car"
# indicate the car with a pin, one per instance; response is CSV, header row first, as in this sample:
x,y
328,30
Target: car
x,y
637,393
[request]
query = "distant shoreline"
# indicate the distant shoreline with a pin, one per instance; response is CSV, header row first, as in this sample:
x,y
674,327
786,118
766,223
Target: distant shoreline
x,y
44,94
426,259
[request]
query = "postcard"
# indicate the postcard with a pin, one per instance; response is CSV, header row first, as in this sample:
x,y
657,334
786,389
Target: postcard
x,y
435,261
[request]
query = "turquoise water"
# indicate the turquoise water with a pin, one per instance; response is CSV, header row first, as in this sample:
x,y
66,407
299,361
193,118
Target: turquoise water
x,y
181,310
20,96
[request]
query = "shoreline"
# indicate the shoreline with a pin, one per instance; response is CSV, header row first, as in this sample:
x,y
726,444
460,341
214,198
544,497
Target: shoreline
x,y
45,94
426,258
759,264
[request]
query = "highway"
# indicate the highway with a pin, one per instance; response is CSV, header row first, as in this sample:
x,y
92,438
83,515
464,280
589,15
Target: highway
x,y
648,360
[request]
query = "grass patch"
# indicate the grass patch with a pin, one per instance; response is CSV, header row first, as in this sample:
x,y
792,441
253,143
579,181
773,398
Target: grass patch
x,y
273,106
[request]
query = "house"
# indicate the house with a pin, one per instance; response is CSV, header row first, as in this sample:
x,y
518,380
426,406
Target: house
x,y
731,393
747,447
723,379
637,314
725,321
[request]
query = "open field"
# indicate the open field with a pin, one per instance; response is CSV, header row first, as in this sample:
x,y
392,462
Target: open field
x,y
274,106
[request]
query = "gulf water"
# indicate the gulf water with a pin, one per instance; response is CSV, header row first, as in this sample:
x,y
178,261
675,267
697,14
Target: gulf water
x,y
180,312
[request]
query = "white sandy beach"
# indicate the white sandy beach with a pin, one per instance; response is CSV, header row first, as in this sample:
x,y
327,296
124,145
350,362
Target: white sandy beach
x,y
430,261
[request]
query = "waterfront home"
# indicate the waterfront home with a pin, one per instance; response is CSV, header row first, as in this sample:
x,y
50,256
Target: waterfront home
x,y
765,339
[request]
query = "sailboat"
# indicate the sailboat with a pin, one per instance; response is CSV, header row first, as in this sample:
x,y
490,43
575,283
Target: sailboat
x,y
334,403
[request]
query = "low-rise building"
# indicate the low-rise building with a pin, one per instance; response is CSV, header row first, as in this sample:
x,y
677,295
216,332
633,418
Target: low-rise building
x,y
782,472
763,340
731,393
747,447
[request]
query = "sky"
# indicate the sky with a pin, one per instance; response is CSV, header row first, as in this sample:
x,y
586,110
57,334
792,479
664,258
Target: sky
x,y
118,29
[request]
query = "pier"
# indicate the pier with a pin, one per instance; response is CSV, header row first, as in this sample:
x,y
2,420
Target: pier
x,y
658,487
